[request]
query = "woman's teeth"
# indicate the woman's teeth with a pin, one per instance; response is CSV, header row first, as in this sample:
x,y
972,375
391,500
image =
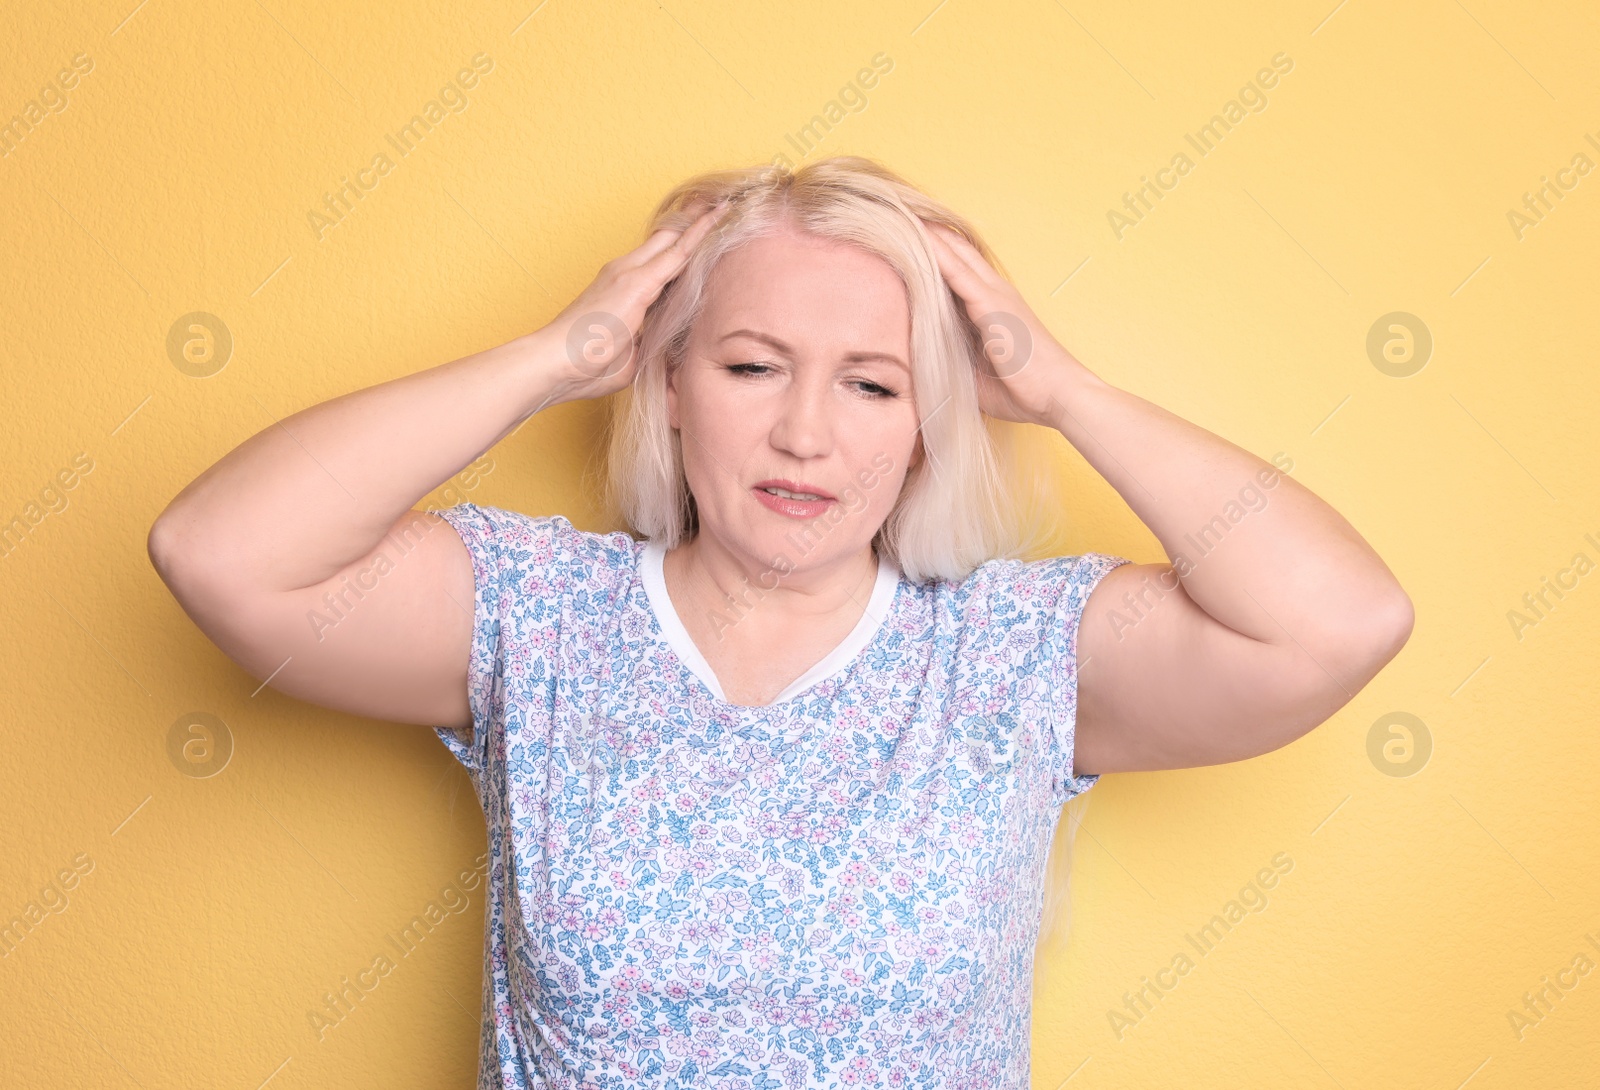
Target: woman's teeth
x,y
791,495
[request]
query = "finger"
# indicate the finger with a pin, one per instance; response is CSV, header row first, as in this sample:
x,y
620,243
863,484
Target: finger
x,y
666,264
969,255
667,237
957,271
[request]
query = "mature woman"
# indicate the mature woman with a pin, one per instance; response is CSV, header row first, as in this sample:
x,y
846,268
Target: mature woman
x,y
770,787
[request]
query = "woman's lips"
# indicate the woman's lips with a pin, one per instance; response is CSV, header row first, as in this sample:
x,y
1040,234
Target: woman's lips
x,y
798,509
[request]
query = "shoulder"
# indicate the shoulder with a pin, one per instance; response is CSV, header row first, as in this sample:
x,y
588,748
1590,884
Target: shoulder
x,y
517,540
1013,586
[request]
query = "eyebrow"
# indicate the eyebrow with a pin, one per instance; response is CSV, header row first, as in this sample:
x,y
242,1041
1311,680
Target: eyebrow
x,y
780,346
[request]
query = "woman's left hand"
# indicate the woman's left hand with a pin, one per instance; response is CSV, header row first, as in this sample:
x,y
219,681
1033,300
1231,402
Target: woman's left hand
x,y
1026,365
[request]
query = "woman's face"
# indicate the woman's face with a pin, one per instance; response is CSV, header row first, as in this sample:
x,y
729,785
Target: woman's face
x,y
797,370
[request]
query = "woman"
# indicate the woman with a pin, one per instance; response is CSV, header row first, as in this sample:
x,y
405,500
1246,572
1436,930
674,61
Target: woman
x,y
770,793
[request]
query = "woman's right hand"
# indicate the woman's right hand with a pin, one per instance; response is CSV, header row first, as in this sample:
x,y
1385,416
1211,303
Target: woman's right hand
x,y
597,335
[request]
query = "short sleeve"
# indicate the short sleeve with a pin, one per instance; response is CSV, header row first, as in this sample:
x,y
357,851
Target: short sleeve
x,y
515,561
1056,591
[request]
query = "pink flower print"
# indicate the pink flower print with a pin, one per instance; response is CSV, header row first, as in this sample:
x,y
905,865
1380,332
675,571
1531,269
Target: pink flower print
x,y
763,960
676,991
901,881
829,1025
570,920
853,978
592,930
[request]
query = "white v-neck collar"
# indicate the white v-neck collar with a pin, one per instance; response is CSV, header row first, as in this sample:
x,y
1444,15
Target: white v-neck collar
x,y
651,573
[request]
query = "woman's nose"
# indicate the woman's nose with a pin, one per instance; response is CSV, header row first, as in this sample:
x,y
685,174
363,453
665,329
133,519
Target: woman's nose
x,y
804,426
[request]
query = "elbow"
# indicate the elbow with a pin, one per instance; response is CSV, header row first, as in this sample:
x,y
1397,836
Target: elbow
x,y
177,554
165,546
1358,650
1393,623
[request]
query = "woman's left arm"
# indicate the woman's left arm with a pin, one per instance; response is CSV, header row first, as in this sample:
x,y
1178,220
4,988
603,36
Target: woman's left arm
x,y
1273,611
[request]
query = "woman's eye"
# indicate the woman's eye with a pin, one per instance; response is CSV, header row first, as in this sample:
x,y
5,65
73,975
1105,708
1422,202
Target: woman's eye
x,y
874,390
871,389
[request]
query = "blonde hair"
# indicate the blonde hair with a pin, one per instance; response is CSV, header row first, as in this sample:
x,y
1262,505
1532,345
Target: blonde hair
x,y
956,508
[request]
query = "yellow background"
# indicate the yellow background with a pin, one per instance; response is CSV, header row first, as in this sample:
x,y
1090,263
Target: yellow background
x,y
179,178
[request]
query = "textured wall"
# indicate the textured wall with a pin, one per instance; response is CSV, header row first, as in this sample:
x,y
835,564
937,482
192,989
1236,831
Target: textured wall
x,y
192,862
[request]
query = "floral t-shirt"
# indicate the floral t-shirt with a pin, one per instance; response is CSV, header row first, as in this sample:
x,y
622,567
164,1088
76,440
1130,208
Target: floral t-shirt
x,y
838,889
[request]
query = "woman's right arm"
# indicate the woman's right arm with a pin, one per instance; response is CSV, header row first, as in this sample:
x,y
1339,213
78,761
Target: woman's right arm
x,y
262,549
